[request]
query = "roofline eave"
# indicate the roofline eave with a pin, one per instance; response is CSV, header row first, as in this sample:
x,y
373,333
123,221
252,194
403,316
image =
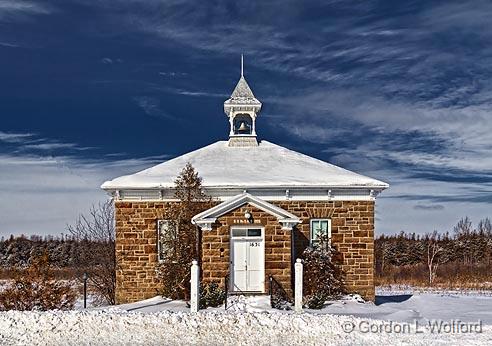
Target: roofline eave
x,y
247,187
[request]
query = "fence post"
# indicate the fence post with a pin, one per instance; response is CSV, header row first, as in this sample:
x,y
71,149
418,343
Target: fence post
x,y
298,285
85,277
195,286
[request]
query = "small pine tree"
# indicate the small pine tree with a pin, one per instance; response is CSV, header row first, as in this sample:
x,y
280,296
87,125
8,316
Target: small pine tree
x,y
180,240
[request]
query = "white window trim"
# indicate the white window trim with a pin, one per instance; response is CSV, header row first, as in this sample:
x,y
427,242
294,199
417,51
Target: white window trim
x,y
159,223
253,226
311,229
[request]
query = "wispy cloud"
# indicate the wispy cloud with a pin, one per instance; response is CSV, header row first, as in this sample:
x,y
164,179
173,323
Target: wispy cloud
x,y
111,61
10,45
152,106
190,91
399,53
173,74
200,94
11,137
13,10
429,207
67,183
406,132
42,185
54,146
29,142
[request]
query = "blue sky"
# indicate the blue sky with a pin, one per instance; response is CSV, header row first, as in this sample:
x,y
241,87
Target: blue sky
x,y
397,90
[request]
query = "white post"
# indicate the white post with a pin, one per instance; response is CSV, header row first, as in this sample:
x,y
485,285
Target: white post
x,y
195,286
298,285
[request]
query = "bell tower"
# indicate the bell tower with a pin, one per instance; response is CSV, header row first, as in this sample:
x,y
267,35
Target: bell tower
x,y
242,108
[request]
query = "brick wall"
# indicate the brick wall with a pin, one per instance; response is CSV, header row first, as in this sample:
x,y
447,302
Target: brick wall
x,y
352,235
352,229
136,249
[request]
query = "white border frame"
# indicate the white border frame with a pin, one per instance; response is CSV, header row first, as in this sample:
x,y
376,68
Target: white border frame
x,y
231,255
311,230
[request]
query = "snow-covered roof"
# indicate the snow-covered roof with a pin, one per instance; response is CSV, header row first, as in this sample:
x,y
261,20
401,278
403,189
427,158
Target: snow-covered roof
x,y
265,165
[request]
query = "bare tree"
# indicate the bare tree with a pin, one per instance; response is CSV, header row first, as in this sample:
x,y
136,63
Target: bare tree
x,y
99,259
485,226
434,255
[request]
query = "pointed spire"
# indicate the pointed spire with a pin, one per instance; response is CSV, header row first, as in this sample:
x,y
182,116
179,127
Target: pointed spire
x,y
242,66
242,93
242,90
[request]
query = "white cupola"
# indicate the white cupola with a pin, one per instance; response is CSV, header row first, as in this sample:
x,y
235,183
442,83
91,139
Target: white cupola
x,y
242,108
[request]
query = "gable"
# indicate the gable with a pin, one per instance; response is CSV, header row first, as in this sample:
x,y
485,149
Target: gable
x,y
206,218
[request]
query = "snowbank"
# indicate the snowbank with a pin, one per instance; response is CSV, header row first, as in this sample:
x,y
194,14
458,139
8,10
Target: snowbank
x,y
116,327
250,321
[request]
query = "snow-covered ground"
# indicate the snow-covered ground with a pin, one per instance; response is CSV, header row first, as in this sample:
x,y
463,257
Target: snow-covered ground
x,y
422,307
407,289
92,301
398,318
391,307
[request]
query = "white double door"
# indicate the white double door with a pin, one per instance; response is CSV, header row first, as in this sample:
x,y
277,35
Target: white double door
x,y
247,260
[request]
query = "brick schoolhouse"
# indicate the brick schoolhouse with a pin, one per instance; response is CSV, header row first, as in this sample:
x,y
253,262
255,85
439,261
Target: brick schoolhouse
x,y
270,204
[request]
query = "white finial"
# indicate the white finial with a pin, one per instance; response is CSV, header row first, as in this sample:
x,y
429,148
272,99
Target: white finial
x,y
242,65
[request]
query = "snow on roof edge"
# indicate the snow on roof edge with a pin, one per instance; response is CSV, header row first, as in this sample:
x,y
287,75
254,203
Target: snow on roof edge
x,y
374,183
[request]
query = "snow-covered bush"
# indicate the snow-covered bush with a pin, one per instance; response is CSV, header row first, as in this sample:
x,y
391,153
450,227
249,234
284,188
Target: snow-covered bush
x,y
322,278
279,299
211,295
37,289
316,300
280,302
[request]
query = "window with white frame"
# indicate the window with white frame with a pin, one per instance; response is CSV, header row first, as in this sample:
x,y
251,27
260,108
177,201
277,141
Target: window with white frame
x,y
320,231
164,240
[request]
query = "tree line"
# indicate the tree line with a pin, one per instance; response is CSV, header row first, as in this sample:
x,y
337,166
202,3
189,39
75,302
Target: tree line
x,y
467,246
63,251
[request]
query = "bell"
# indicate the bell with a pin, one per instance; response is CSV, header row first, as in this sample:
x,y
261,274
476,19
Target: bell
x,y
243,127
